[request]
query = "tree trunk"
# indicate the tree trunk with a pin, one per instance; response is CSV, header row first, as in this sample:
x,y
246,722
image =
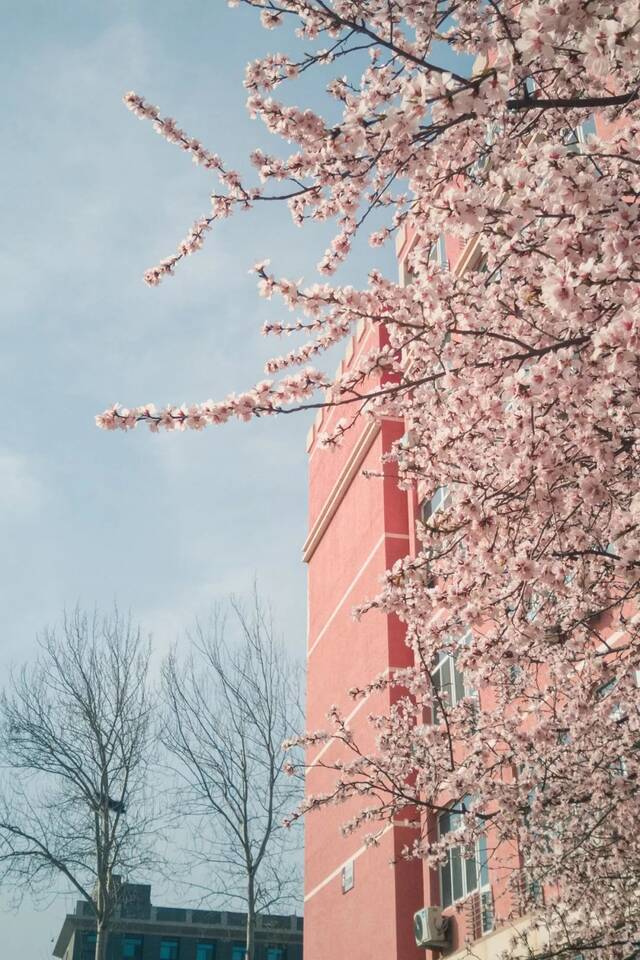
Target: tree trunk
x,y
251,920
101,942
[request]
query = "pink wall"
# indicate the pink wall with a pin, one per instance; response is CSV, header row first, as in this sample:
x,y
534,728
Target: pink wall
x,y
368,531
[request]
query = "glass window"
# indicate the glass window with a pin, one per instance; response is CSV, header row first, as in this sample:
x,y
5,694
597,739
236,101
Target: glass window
x,y
486,911
168,950
132,948
276,953
575,137
439,500
448,682
88,950
534,607
438,253
238,951
460,875
206,951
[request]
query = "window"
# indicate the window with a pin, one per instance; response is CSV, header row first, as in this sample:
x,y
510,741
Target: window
x,y
576,137
448,682
438,501
481,164
534,607
605,689
88,949
487,917
238,951
461,875
206,950
618,766
276,953
168,950
132,948
438,253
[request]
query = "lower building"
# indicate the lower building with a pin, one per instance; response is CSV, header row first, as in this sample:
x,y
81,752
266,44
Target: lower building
x,y
141,931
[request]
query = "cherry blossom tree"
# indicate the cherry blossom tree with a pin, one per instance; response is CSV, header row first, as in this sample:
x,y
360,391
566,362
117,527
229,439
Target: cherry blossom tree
x,y
517,380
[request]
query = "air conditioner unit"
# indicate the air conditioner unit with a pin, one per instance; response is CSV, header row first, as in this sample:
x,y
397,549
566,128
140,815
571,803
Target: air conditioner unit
x,y
430,928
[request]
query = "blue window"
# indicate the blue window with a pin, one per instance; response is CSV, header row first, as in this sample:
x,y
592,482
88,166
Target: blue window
x,y
206,951
238,951
168,950
276,953
132,948
88,950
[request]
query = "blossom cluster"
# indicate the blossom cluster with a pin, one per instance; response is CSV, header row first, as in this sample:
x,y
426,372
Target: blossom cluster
x,y
518,382
264,399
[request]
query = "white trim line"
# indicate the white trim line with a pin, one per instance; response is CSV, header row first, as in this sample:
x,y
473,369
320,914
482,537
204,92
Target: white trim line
x,y
402,824
364,566
339,489
348,719
616,635
470,251
385,673
338,870
385,536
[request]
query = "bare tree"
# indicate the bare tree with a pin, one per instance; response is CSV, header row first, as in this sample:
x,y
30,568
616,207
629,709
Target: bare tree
x,y
76,745
231,706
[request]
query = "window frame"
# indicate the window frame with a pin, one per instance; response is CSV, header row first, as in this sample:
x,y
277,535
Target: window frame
x,y
438,252
439,500
280,947
479,859
458,688
136,938
88,945
451,692
577,136
171,941
207,943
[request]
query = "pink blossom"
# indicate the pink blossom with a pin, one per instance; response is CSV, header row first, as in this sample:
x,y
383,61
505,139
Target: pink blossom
x,y
514,369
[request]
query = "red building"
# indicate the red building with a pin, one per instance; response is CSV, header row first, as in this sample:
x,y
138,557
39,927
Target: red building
x,y
360,900
357,904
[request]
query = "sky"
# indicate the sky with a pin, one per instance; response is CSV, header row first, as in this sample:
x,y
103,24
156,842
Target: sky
x,y
162,525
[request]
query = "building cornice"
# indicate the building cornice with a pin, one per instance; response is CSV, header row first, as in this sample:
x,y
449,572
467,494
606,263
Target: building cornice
x,y
339,489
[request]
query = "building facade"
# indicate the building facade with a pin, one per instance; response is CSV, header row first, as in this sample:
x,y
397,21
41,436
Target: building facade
x,y
360,900
142,931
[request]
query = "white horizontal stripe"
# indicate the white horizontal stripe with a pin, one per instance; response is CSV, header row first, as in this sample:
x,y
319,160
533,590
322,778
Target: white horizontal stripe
x,y
348,719
346,593
390,536
402,824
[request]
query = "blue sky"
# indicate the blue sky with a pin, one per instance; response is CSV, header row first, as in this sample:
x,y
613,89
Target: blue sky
x,y
91,197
